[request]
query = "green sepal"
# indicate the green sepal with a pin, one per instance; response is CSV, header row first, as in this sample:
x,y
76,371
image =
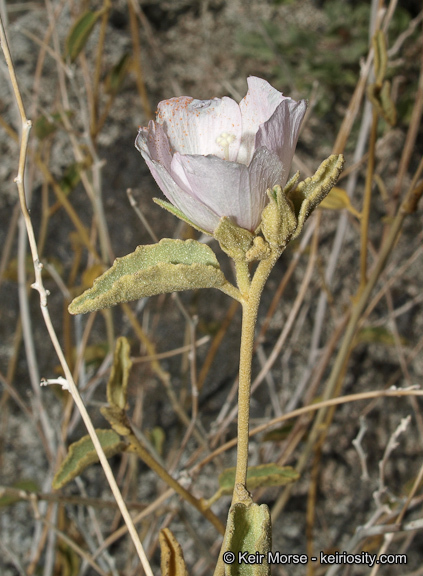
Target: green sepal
x,y
278,221
82,453
172,561
233,240
292,182
176,212
308,194
260,250
118,381
248,529
169,266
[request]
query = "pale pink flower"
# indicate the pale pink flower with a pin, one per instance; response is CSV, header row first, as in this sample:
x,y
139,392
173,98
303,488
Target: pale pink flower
x,y
214,158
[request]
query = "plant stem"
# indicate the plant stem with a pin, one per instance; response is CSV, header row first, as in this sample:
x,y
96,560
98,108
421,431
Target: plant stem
x,y
367,200
250,307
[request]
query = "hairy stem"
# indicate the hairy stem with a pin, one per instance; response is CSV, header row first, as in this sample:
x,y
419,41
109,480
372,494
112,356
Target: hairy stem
x,y
249,317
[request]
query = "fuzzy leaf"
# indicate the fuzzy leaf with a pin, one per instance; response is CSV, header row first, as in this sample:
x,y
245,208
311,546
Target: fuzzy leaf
x,y
258,476
82,453
168,266
248,529
172,561
119,375
308,194
79,33
117,419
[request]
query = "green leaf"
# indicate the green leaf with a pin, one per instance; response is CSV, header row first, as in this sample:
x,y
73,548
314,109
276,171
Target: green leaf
x,y
46,125
377,335
308,194
169,266
157,438
380,56
278,434
116,76
258,476
25,484
71,176
82,453
248,530
43,127
381,99
119,375
172,561
68,560
79,33
117,419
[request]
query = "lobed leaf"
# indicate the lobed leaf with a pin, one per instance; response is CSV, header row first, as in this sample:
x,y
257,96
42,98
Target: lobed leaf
x,y
169,266
82,453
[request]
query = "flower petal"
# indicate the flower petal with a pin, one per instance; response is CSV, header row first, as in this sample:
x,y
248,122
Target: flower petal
x,y
195,126
256,107
266,171
194,209
153,143
280,133
223,186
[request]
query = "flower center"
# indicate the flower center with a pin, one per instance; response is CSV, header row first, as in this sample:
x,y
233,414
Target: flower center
x,y
225,140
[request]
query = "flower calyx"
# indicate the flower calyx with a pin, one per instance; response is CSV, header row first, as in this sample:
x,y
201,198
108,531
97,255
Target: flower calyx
x,y
233,240
288,208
